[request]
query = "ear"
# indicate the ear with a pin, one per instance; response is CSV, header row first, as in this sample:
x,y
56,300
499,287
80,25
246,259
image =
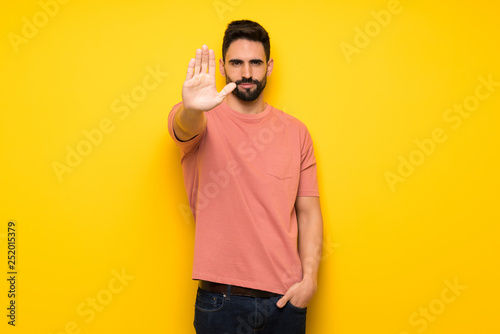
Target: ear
x,y
221,67
270,65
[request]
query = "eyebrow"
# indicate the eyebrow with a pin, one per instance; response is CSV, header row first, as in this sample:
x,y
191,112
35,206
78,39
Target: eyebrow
x,y
251,60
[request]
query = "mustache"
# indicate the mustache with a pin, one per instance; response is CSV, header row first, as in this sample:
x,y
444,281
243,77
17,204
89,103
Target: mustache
x,y
249,80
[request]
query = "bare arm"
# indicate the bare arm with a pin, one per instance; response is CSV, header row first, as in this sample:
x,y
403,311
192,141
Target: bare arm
x,y
199,94
310,224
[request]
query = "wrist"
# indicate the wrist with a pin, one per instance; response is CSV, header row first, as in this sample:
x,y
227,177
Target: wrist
x,y
310,279
189,111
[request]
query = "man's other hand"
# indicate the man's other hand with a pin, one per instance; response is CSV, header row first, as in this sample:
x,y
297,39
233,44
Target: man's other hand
x,y
299,294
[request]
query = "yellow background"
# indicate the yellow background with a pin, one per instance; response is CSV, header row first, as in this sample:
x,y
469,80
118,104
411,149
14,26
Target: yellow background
x,y
388,251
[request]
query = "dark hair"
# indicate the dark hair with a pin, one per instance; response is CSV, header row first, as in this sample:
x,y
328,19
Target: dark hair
x,y
245,29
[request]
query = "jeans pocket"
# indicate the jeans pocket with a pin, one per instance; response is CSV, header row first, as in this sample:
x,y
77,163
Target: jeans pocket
x,y
279,163
208,301
296,308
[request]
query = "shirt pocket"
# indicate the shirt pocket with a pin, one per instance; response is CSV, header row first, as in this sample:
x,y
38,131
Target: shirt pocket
x,y
279,163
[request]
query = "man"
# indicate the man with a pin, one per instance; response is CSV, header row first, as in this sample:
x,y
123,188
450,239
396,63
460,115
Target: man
x,y
250,175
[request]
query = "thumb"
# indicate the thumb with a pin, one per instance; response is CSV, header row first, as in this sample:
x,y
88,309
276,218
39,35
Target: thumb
x,y
227,89
282,302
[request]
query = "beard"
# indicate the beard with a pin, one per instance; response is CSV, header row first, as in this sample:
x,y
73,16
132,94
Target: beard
x,y
247,94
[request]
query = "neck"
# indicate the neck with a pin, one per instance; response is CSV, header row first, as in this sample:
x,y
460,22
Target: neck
x,y
251,107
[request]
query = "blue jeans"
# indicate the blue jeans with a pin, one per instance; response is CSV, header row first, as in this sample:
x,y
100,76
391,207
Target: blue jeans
x,y
229,314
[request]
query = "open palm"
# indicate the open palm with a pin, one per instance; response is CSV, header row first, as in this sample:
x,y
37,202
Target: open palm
x,y
199,91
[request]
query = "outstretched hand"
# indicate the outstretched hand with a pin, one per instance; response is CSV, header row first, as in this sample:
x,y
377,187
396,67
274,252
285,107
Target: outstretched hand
x,y
199,92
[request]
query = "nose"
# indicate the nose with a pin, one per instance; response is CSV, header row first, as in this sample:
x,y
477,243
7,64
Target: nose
x,y
247,71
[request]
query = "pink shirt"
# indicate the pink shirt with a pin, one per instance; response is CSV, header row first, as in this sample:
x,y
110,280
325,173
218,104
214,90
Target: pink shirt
x,y
242,175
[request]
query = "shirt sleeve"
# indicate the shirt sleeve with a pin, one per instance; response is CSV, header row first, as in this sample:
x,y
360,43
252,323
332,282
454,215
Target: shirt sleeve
x,y
188,145
308,182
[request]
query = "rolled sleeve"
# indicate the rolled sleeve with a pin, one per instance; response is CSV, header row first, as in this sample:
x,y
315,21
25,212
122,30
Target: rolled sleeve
x,y
188,145
308,182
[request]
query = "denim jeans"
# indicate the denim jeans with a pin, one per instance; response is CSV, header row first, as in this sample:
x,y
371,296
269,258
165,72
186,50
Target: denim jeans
x,y
217,313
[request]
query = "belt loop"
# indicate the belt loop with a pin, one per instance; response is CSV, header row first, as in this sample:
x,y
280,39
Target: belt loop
x,y
228,293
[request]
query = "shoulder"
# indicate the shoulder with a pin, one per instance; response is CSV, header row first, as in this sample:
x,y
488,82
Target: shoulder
x,y
289,120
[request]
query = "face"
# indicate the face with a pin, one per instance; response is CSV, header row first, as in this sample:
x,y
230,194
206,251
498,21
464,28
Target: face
x,y
246,66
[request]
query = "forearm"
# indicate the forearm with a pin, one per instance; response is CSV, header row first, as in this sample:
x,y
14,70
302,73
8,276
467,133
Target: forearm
x,y
310,223
188,123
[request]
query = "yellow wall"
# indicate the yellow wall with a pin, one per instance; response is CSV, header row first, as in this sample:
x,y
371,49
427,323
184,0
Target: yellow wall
x,y
408,184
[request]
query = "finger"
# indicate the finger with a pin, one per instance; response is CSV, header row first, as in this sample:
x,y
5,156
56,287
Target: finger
x,y
282,302
197,62
211,62
227,89
190,70
204,58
